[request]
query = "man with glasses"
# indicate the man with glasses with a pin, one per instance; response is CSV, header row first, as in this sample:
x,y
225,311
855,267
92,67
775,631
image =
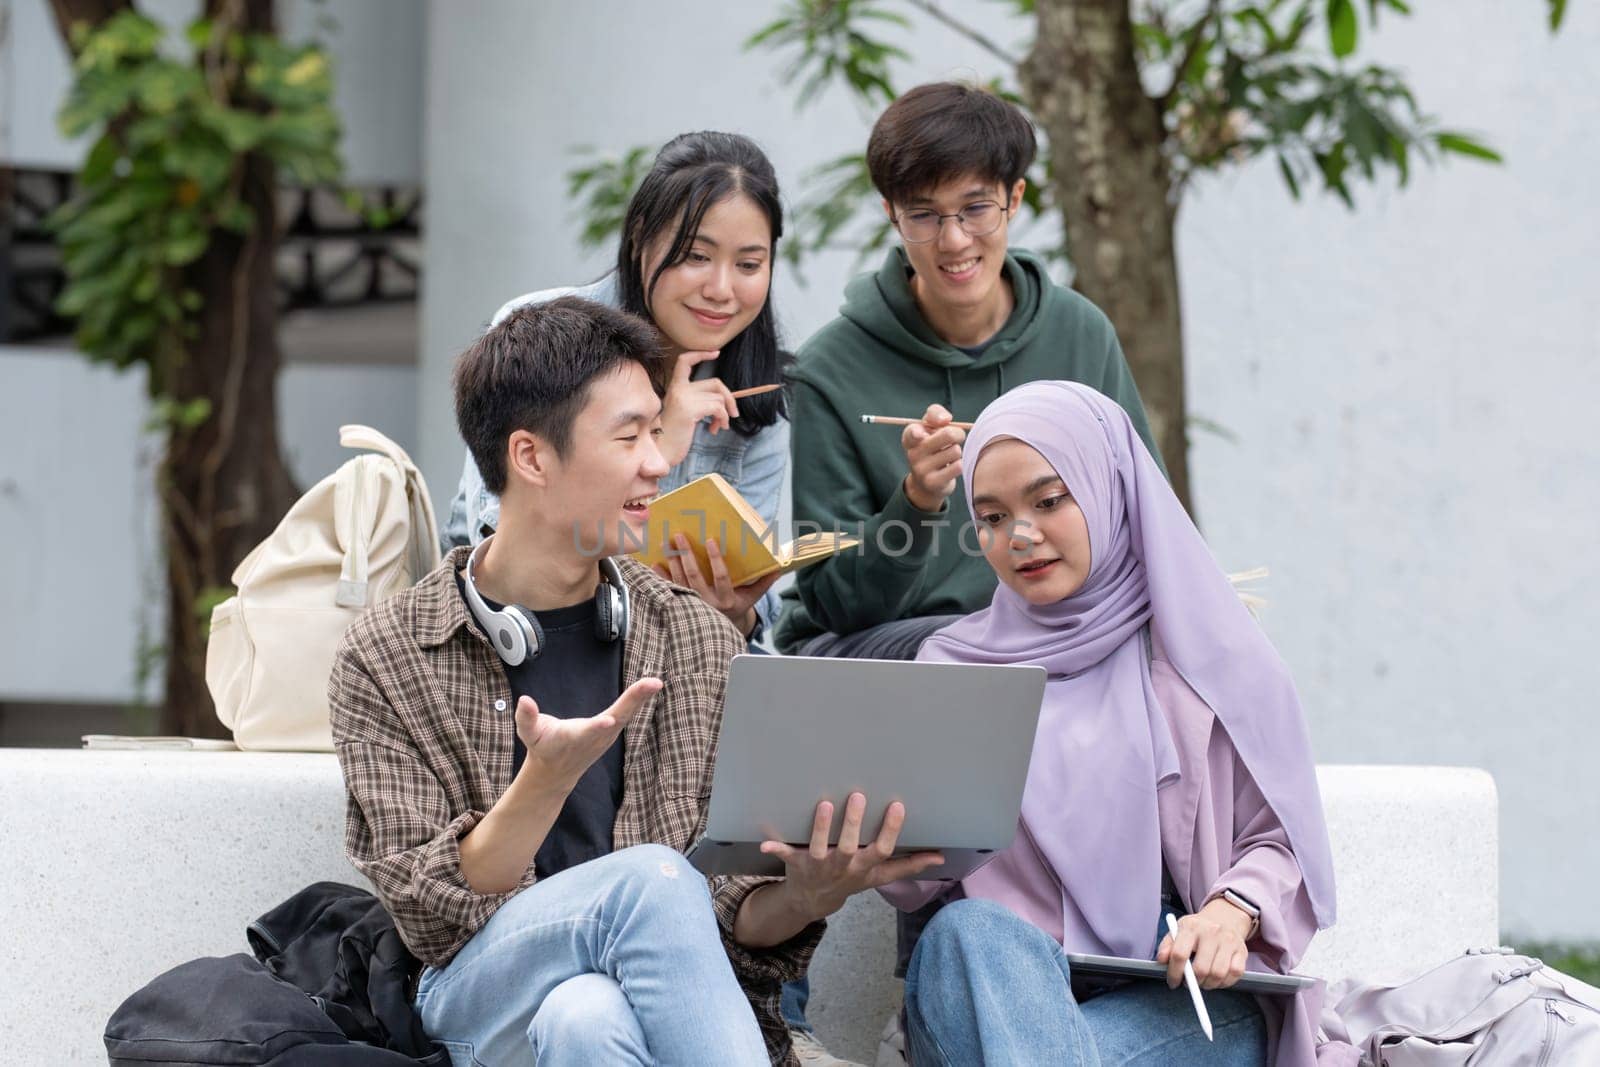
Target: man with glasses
x,y
951,320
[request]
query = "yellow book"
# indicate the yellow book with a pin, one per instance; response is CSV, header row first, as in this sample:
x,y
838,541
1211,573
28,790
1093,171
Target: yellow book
x,y
709,507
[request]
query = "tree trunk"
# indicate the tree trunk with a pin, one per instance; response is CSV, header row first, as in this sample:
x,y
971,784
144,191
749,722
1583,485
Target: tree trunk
x,y
224,484
1112,183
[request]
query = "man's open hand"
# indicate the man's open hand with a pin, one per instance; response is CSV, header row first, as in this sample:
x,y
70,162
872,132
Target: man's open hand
x,y
560,750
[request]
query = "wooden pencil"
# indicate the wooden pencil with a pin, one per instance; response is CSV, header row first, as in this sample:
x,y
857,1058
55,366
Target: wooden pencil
x,y
740,394
895,420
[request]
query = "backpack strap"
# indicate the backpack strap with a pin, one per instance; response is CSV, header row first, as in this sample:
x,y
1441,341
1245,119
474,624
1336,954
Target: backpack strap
x,y
352,588
424,526
354,435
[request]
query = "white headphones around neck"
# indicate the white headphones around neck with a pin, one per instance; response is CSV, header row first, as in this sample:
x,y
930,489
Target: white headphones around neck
x,y
515,632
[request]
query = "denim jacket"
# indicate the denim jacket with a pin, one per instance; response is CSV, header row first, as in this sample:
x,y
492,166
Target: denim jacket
x,y
753,465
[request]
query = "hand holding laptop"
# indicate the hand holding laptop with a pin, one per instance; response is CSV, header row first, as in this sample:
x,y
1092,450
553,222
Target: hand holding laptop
x,y
820,878
1213,939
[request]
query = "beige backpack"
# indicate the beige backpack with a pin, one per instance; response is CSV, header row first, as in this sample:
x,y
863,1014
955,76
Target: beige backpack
x,y
359,536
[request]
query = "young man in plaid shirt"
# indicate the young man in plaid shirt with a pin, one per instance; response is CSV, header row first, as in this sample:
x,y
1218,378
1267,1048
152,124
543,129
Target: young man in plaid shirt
x,y
529,860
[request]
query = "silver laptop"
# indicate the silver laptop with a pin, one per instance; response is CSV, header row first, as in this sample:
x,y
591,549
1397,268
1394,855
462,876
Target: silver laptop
x,y
950,741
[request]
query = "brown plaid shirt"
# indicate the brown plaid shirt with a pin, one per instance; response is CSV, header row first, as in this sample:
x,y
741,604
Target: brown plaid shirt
x,y
426,754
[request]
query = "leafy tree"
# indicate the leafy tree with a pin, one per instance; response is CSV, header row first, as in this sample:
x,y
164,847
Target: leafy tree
x,y
1134,98
168,247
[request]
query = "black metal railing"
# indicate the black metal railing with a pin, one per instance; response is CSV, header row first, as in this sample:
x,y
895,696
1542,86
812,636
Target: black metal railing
x,y
331,253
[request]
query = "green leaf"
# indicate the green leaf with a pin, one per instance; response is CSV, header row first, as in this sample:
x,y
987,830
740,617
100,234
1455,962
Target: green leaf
x,y
605,187
168,412
144,290
99,164
193,413
1288,177
77,296
185,249
1211,426
1462,145
240,130
162,87
831,46
202,159
198,33
1558,11
1342,28
237,216
96,98
1402,158
1374,6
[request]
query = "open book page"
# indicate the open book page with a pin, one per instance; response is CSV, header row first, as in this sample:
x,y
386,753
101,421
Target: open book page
x,y
812,547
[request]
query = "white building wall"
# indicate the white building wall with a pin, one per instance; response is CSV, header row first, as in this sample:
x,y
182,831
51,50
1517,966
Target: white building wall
x,y
1411,388
1406,385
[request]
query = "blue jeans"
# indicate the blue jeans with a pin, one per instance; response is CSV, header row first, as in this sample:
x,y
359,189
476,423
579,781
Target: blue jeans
x,y
616,961
985,986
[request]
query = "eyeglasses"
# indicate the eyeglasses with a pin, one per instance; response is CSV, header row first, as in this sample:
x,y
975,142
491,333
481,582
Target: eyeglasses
x,y
977,219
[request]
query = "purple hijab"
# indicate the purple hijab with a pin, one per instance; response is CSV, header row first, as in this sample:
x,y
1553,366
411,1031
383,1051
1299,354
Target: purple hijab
x,y
1103,748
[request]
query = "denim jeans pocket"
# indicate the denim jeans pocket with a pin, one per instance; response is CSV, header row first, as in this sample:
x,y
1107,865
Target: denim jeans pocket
x,y
462,1054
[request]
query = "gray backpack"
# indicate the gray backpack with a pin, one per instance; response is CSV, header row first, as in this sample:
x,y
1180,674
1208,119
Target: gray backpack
x,y
1488,1008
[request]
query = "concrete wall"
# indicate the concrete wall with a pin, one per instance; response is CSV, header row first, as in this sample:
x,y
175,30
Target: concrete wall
x,y
1405,385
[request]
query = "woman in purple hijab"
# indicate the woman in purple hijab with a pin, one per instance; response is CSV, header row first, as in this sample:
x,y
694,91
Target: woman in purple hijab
x,y
1171,771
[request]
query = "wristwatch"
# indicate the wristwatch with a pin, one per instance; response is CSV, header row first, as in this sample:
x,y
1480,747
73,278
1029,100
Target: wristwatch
x,y
1245,906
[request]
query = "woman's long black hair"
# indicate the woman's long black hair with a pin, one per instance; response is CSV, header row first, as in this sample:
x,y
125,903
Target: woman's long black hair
x,y
692,172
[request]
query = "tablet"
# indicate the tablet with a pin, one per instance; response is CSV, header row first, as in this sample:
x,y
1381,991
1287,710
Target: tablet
x,y
1252,982
951,741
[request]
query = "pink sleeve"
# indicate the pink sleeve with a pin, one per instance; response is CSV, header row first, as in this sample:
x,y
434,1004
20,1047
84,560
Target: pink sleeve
x,y
909,894
1265,873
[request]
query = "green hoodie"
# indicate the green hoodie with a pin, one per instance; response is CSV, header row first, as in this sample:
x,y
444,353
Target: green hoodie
x,y
881,357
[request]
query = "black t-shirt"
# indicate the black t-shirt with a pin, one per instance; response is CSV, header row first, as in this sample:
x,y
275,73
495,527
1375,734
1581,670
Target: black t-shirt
x,y
576,675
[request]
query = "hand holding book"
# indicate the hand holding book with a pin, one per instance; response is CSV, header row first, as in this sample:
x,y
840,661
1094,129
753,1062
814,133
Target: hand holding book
x,y
738,603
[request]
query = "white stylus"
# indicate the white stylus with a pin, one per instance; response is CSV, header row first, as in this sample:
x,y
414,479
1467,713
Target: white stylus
x,y
1190,981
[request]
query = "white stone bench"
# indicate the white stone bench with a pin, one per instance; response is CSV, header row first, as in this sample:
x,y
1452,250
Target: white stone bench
x,y
119,865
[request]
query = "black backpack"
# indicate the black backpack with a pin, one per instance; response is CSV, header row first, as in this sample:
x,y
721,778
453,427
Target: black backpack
x,y
329,985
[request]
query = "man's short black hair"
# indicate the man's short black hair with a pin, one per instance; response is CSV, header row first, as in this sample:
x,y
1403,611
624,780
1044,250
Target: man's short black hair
x,y
533,371
946,130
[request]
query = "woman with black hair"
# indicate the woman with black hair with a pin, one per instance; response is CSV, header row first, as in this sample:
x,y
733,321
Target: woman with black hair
x,y
695,259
